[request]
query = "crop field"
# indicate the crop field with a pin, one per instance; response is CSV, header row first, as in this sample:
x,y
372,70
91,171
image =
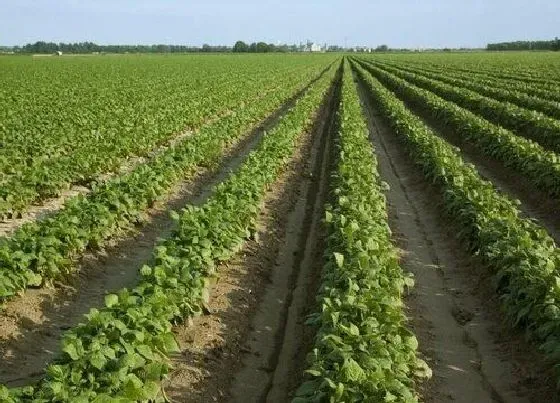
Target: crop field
x,y
280,228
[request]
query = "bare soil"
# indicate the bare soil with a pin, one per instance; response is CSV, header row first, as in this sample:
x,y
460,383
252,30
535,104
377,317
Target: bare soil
x,y
40,211
294,284
253,342
453,310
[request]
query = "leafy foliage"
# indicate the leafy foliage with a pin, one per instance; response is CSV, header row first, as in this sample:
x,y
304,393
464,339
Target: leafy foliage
x,y
363,350
489,89
120,352
542,167
69,121
523,257
41,251
532,124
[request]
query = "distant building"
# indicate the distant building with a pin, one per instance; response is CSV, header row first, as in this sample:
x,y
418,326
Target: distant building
x,y
315,47
58,53
312,47
363,49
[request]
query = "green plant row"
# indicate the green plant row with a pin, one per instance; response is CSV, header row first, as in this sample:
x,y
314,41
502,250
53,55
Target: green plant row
x,y
540,166
544,92
101,103
121,352
362,351
551,97
48,249
50,109
47,176
517,67
534,76
521,99
523,258
516,76
531,124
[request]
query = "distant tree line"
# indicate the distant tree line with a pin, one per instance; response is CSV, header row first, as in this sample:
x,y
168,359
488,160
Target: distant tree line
x,y
90,47
262,47
42,47
526,45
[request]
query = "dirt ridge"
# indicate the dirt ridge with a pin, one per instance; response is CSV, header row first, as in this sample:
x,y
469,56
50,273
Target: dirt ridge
x,y
294,338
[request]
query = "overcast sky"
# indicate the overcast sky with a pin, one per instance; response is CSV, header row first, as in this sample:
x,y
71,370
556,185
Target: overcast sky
x,y
397,23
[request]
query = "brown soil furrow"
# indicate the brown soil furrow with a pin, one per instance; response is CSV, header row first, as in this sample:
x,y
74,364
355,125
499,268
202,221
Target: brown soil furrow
x,y
233,352
293,338
32,324
453,309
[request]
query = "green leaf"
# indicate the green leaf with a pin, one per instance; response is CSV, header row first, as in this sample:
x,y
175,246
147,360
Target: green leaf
x,y
339,258
146,271
155,371
339,391
353,330
70,349
111,300
151,390
145,351
34,279
409,281
175,216
170,343
352,372
412,342
313,372
98,360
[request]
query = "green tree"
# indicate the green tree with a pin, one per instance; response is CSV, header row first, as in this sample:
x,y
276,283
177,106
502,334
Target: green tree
x,y
240,47
262,47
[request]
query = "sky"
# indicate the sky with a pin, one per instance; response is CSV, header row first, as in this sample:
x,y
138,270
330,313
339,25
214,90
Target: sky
x,y
397,23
